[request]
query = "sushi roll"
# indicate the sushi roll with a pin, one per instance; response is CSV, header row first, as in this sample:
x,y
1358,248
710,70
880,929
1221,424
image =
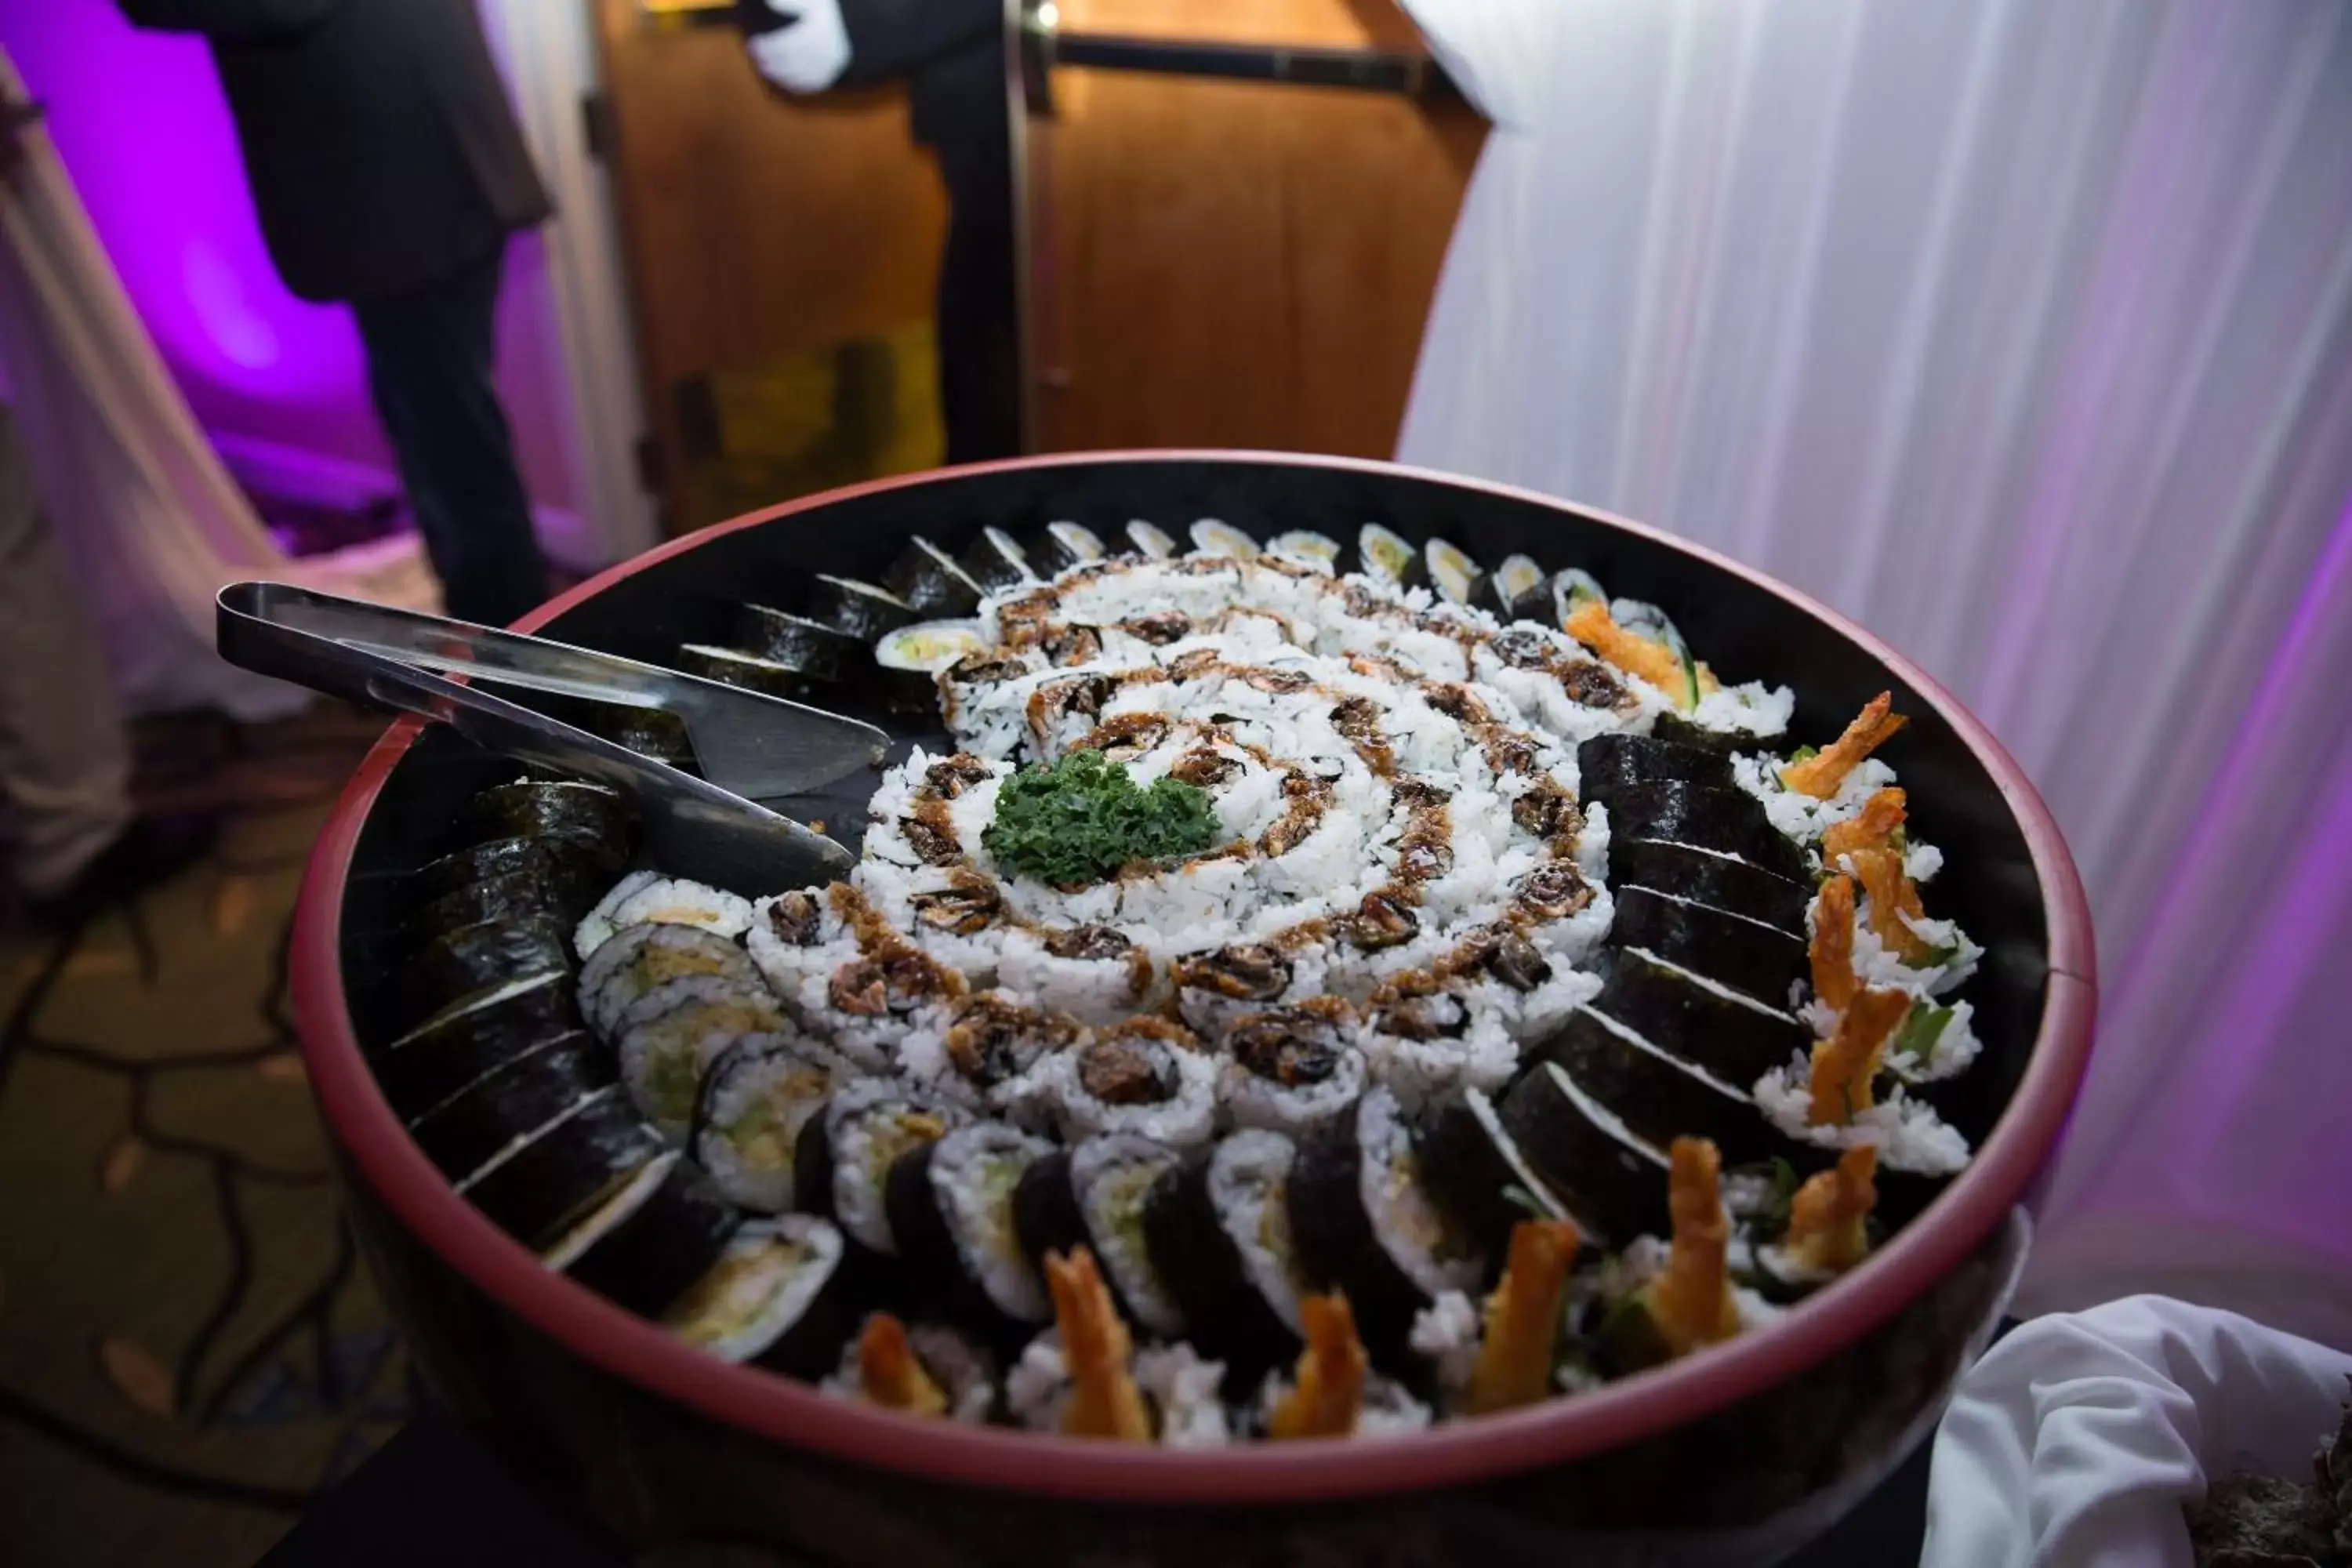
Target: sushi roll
x,y
995,562
1758,960
1710,876
1513,591
1657,1096
1291,1067
563,896
1451,571
1093,1195
1599,1167
471,1036
637,959
859,609
1141,1075
1475,1169
1735,1037
991,1051
462,1132
754,1102
1384,555
1419,1046
1572,588
1059,546
547,1178
668,1036
1095,973
950,1203
1608,765
1705,818
1218,1228
646,1245
1211,537
1367,1224
649,897
731,667
1308,548
654,733
460,962
909,660
811,649
1150,540
1215,988
542,856
842,1163
927,580
776,1295
533,808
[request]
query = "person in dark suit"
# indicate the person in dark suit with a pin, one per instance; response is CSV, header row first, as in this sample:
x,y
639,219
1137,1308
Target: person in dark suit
x,y
388,171
950,54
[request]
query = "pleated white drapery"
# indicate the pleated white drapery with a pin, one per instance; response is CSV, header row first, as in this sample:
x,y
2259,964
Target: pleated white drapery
x,y
2024,334
140,504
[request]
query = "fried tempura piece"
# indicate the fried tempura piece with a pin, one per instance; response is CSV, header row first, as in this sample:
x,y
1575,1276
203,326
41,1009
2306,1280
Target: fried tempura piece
x,y
1874,827
1893,895
1819,774
1831,947
1825,1229
1844,1064
1103,1400
1330,1392
1690,1303
889,1375
1523,1318
1590,624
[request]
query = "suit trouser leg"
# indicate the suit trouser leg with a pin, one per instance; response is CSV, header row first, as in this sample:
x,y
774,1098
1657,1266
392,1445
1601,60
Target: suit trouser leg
x,y
430,356
65,759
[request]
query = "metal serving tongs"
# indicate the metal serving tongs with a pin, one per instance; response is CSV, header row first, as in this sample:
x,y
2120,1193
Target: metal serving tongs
x,y
750,747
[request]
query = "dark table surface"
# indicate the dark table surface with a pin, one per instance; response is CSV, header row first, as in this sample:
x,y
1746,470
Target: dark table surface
x,y
434,1495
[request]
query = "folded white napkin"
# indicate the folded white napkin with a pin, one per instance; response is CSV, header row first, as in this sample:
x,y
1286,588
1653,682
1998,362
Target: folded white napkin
x,y
2078,1438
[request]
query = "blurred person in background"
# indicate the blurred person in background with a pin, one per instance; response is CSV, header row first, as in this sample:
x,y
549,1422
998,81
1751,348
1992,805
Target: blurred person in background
x,y
950,54
388,171
74,843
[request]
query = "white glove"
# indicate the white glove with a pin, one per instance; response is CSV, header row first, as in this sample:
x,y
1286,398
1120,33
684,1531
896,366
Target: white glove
x,y
808,54
2077,1439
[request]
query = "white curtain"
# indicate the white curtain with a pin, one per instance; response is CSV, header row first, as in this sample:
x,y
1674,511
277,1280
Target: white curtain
x,y
2022,332
150,520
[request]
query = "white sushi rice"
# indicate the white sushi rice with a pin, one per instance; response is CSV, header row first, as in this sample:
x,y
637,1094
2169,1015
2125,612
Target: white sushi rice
x,y
1448,1333
1187,1118
1802,816
637,959
870,1124
1183,1389
761,1287
1249,1176
973,1171
597,926
1909,1134
1410,1227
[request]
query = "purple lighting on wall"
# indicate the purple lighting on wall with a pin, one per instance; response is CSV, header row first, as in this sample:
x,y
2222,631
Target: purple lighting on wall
x,y
139,121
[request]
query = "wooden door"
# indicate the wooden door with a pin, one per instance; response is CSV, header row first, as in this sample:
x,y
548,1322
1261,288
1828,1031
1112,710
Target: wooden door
x,y
1232,264
782,256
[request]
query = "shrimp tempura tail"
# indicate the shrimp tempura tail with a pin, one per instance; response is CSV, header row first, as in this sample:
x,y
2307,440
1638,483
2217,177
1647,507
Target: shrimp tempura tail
x,y
1893,895
1832,948
1690,1302
1590,624
889,1375
1330,1392
1103,1400
1825,1219
1845,1063
1872,827
1523,1318
1819,774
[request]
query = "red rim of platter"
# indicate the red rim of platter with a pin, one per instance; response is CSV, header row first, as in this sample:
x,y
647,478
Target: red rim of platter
x,y
771,1407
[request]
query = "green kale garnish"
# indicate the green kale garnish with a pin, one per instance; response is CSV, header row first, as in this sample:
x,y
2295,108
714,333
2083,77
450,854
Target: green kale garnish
x,y
1080,820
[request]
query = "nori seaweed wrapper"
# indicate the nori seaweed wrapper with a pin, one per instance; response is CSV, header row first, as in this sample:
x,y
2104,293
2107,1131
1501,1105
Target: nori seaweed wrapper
x,y
531,808
1337,1247
1224,1314
1710,818
460,962
470,1037
1658,1099
1759,960
564,895
460,1134
860,610
552,1183
927,580
1621,1189
810,648
1674,1011
729,668
995,562
1608,764
1739,886
649,1257
932,1259
543,856
1467,1166
1046,1212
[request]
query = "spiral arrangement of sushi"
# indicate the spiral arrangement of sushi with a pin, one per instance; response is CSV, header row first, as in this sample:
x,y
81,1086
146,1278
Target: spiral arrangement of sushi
x,y
1405,1096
